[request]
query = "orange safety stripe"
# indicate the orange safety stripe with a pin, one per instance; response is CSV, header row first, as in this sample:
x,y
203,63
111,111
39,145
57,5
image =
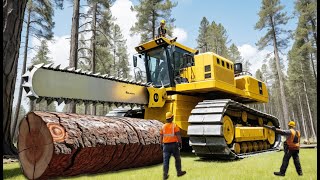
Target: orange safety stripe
x,y
169,133
172,132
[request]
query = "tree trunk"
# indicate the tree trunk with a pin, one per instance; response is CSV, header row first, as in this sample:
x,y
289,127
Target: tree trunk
x,y
314,31
283,96
73,61
72,144
295,119
93,46
153,25
312,64
13,13
303,121
24,67
309,111
307,99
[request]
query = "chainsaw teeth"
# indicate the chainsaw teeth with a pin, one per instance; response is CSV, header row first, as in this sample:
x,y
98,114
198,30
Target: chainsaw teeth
x,y
48,65
39,65
56,66
31,96
49,101
26,87
30,68
39,100
59,101
78,70
97,74
71,69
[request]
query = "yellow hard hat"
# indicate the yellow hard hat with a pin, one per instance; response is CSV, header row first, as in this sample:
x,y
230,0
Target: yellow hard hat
x,y
169,115
292,124
163,21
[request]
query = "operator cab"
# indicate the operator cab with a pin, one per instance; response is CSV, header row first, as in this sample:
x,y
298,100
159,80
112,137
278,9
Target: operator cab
x,y
160,61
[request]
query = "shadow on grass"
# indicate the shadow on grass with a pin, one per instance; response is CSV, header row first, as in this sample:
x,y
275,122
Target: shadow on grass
x,y
187,154
217,160
10,173
93,175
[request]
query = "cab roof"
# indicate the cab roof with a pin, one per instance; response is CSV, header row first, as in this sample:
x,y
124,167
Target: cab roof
x,y
161,41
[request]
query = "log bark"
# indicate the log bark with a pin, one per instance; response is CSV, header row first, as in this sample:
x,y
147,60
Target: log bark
x,y
55,144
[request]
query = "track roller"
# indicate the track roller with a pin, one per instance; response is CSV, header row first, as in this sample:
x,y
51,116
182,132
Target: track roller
x,y
237,148
265,145
260,145
255,146
250,147
244,147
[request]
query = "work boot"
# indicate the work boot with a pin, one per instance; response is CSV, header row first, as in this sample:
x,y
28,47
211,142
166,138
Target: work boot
x,y
165,176
181,173
300,173
279,174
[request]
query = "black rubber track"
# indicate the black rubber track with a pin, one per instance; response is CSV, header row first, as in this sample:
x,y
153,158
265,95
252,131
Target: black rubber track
x,y
205,130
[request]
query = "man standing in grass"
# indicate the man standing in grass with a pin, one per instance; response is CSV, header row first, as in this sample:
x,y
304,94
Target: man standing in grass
x,y
171,143
291,148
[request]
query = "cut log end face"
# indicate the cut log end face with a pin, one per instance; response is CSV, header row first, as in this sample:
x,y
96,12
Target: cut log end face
x,y
35,146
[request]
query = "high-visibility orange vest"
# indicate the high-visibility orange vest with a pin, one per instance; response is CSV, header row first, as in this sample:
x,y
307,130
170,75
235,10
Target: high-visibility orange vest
x,y
168,131
293,144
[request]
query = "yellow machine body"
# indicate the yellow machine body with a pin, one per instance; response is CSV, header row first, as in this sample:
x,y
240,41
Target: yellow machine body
x,y
179,105
210,75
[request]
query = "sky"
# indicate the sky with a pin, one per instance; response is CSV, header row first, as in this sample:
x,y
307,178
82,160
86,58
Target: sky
x,y
238,18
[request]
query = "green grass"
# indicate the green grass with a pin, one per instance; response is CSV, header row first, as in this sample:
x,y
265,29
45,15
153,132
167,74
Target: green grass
x,y
256,167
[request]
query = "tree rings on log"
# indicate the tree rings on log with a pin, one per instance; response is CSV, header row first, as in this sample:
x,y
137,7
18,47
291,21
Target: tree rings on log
x,y
55,144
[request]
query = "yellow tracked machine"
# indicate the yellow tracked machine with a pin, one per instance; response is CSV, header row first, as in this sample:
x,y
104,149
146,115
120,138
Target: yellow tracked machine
x,y
206,93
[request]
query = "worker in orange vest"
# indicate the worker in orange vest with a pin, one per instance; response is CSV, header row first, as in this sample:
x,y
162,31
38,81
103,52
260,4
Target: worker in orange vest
x,y
171,143
291,148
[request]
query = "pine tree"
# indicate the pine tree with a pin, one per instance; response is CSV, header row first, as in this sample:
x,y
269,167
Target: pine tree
x,y
149,14
203,37
234,54
39,24
42,57
42,54
218,39
271,19
307,29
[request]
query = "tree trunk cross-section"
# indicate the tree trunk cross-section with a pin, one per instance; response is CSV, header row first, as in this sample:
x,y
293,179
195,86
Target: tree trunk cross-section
x,y
55,144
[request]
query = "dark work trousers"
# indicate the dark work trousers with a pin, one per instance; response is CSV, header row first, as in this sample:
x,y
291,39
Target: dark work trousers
x,y
168,149
286,158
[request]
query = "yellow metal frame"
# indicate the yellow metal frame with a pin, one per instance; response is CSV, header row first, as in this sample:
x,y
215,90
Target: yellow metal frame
x,y
250,134
181,107
162,40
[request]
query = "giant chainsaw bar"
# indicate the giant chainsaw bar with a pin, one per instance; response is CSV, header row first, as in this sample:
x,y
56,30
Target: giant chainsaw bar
x,y
51,83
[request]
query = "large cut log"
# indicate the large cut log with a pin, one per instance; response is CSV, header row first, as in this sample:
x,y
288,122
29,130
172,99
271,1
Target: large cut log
x,y
55,144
